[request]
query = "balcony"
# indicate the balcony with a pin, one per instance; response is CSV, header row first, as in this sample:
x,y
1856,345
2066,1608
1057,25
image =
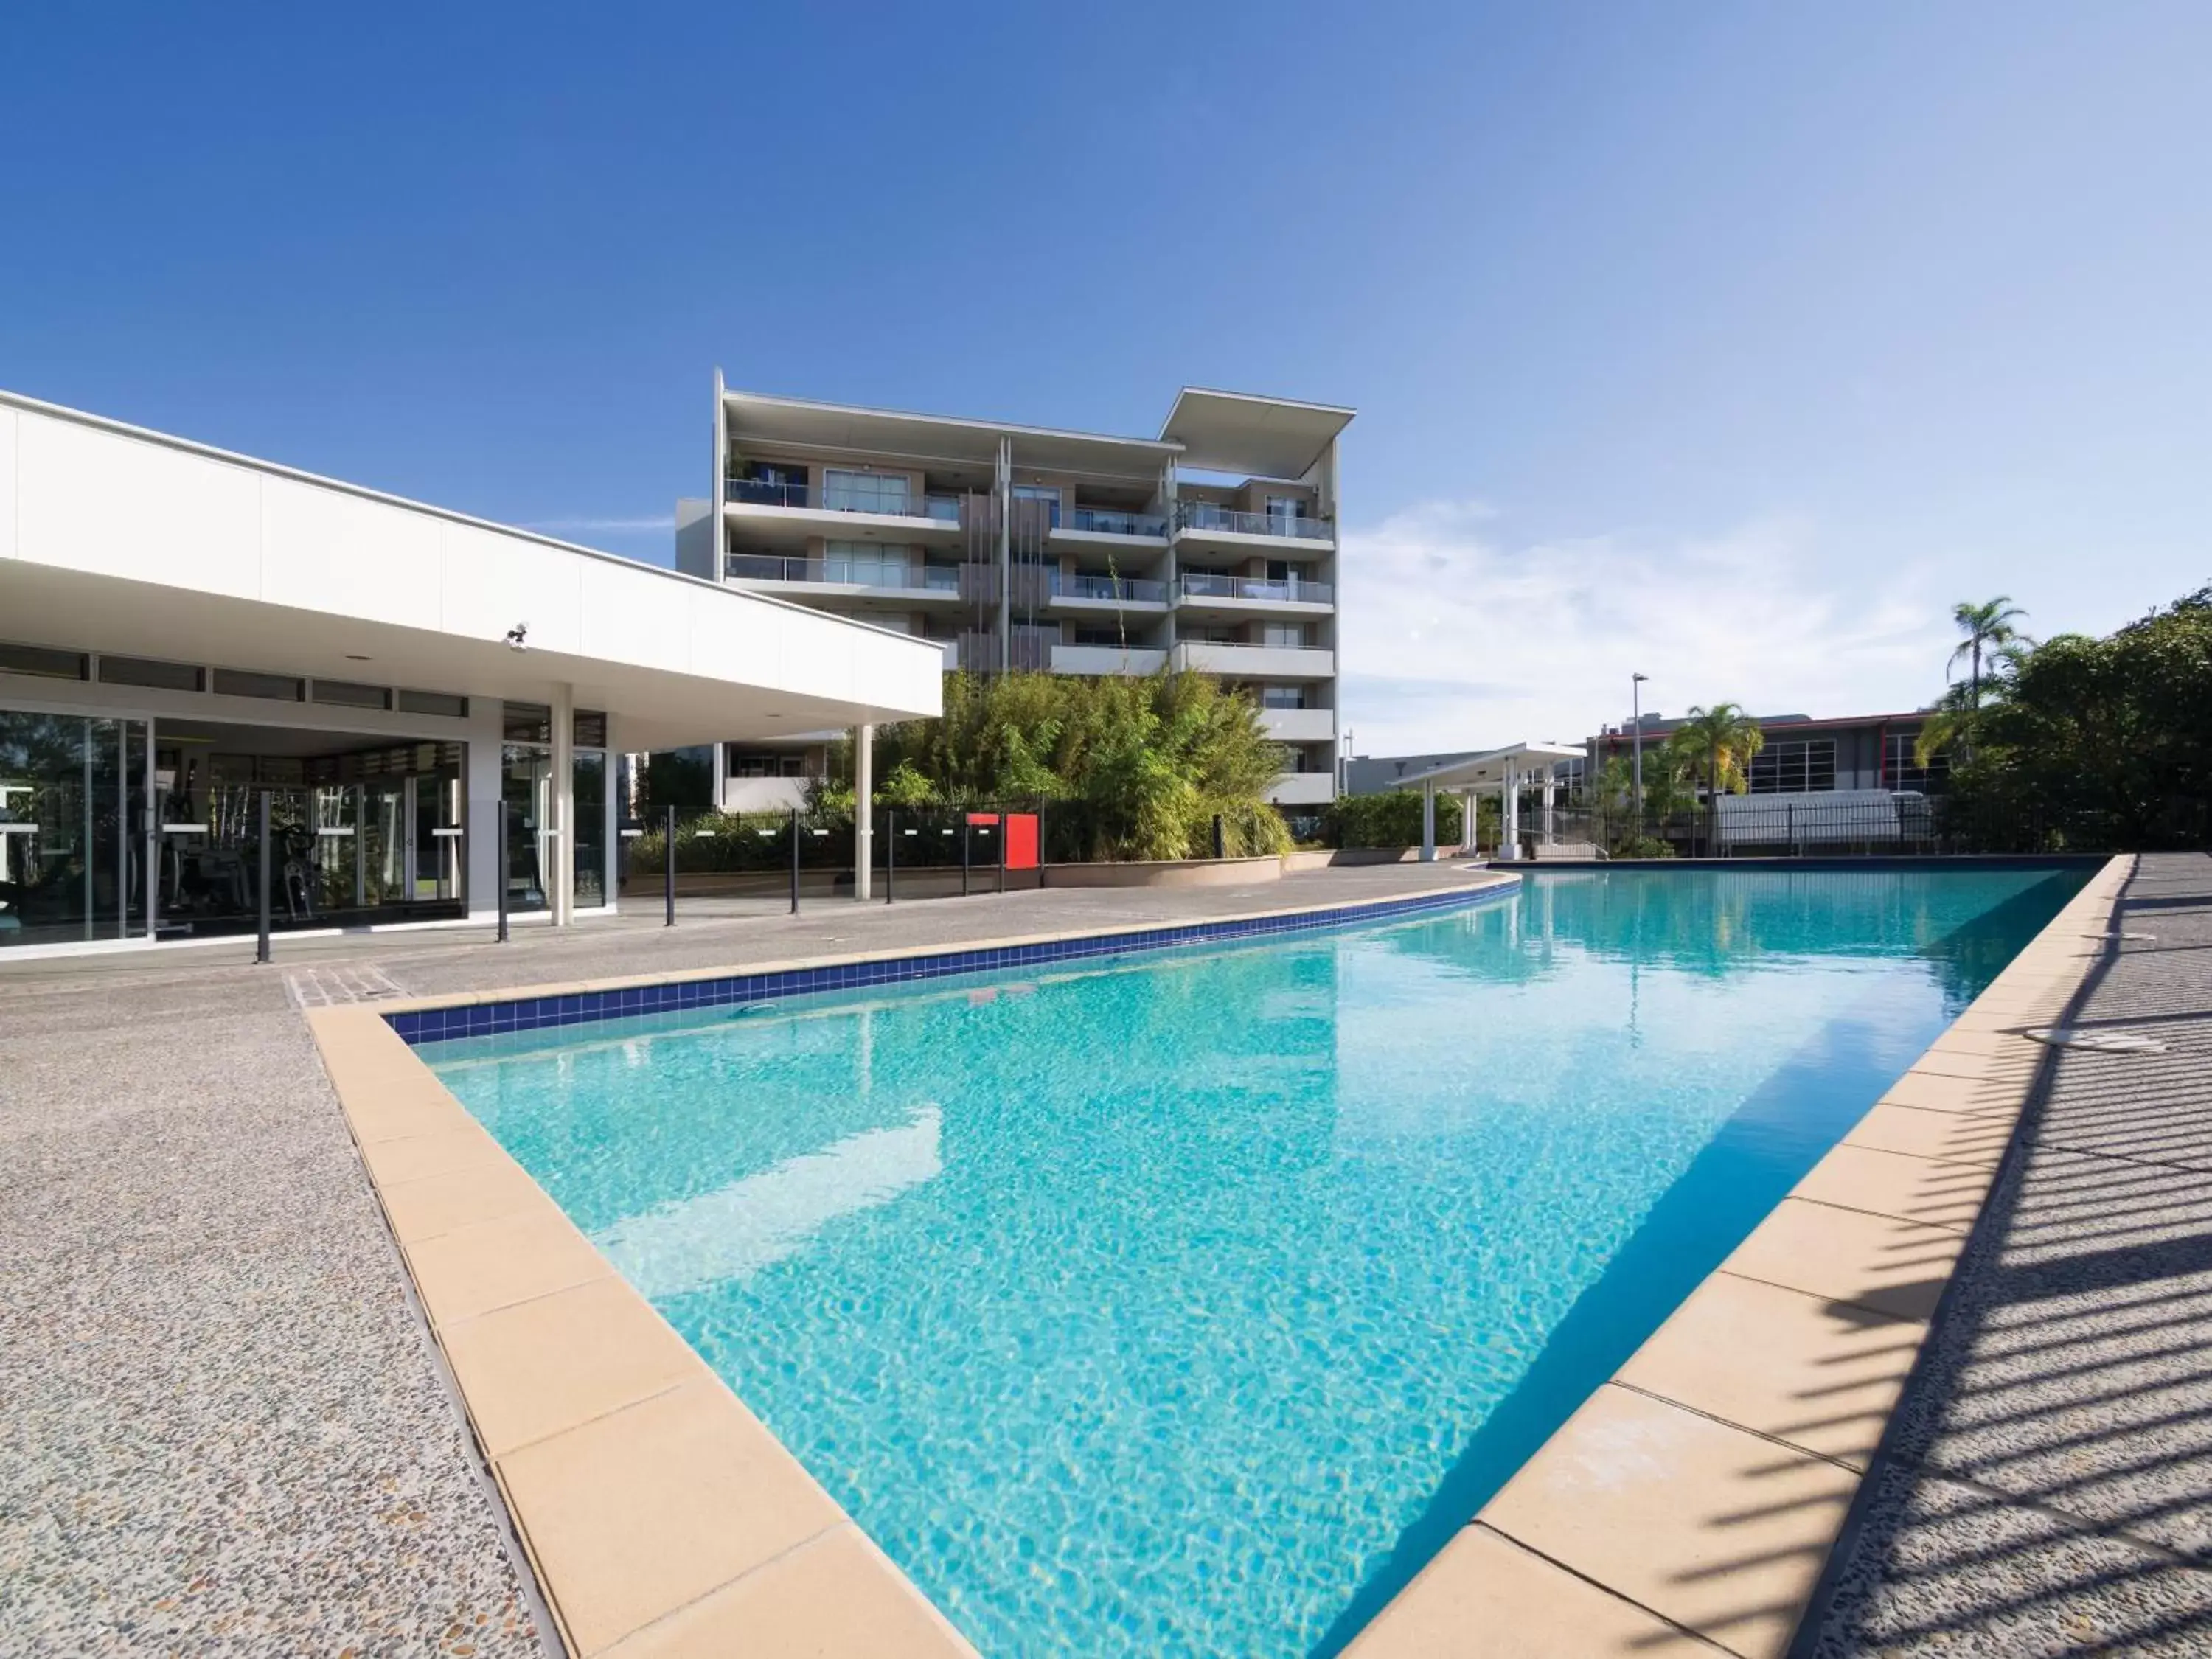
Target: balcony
x,y
841,573
753,492
1105,660
1104,521
1298,725
1204,519
1255,662
1303,788
1111,590
1203,585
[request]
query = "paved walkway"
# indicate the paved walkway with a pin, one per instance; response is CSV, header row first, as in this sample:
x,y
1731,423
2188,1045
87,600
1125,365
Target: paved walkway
x,y
225,1428
2047,1488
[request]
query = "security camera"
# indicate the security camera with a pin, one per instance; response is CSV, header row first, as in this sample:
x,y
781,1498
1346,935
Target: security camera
x,y
518,636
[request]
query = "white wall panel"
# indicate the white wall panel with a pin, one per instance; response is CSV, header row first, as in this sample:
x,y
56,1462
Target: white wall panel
x,y
325,550
115,506
491,582
7,483
626,615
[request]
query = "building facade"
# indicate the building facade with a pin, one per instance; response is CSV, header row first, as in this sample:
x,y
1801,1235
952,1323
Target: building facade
x,y
425,705
1804,756
1211,547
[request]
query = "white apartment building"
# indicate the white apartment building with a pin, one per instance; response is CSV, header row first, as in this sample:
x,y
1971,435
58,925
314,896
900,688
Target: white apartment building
x,y
1210,547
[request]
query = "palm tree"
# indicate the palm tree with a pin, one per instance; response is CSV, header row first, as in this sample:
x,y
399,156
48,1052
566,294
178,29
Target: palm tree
x,y
1725,737
1989,630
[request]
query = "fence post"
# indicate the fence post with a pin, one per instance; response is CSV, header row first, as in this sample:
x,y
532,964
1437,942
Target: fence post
x,y
966,849
891,852
668,865
504,810
1221,846
261,944
794,860
1002,849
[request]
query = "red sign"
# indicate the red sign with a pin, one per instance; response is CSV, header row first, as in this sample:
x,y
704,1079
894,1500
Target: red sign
x,y
1021,841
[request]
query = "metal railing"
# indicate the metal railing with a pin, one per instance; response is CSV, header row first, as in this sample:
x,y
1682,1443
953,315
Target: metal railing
x,y
1204,515
757,492
1212,585
1105,521
945,509
840,573
1119,589
1754,826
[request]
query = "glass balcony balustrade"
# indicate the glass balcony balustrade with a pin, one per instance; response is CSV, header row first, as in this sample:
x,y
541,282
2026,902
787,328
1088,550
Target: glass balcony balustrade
x,y
1204,515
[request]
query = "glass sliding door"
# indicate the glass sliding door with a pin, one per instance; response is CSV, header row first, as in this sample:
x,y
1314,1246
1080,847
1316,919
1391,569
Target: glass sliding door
x,y
72,817
526,779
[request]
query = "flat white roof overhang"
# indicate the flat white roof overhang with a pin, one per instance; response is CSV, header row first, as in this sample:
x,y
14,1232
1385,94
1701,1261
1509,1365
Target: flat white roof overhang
x,y
119,540
1238,432
895,437
1490,768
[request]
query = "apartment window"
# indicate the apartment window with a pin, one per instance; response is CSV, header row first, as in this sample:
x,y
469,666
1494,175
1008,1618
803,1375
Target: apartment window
x,y
347,695
1047,494
1794,766
1106,636
161,676
1293,633
443,703
43,661
1282,697
278,688
864,564
866,492
1212,632
754,764
1282,508
1901,769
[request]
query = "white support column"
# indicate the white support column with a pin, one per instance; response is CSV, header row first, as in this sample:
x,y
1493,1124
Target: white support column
x,y
562,798
483,783
1550,784
1509,840
719,765
864,786
1428,822
1467,819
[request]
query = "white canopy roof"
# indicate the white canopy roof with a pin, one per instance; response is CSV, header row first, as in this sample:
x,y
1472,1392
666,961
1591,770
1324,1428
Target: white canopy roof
x,y
1490,767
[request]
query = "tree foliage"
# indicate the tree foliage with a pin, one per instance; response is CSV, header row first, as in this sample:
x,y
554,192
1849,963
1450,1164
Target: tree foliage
x,y
2108,741
1716,744
1139,767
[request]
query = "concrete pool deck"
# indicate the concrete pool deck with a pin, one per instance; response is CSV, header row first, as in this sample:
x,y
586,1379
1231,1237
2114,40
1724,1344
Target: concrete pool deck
x,y
103,1501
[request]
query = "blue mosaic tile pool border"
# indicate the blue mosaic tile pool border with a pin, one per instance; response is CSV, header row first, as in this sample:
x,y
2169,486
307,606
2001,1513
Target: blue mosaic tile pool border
x,y
531,1013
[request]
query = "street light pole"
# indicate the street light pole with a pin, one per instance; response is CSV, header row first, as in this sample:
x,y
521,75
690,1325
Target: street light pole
x,y
1635,721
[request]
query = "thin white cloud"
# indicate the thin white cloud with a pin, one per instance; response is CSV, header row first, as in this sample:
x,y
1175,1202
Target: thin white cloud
x,y
609,526
1455,637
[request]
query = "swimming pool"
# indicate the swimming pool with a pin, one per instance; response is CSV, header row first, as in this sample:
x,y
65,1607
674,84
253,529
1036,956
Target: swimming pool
x,y
1186,1302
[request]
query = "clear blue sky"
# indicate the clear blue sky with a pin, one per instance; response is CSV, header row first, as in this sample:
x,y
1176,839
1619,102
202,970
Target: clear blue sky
x,y
1731,342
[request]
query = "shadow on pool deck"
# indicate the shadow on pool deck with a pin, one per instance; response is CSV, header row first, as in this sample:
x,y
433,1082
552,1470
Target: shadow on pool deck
x,y
2046,1487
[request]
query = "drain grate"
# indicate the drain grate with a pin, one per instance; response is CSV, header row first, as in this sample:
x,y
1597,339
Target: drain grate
x,y
324,987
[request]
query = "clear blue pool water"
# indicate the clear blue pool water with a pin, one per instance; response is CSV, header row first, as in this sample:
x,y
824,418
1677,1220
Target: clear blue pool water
x,y
1187,1302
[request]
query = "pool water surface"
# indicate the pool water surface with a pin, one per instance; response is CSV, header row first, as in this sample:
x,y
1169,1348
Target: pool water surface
x,y
1187,1302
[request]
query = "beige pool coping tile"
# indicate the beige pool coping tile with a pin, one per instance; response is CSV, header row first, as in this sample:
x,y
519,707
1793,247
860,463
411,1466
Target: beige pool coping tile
x,y
652,1507
1931,1191
1706,1484
1827,1374
1707,1525
557,1361
430,1205
1485,1597
440,1151
1873,1261
834,1597
495,1264
1955,1137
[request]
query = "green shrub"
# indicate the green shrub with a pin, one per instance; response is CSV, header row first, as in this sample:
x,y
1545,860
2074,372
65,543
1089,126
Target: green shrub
x,y
1392,818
